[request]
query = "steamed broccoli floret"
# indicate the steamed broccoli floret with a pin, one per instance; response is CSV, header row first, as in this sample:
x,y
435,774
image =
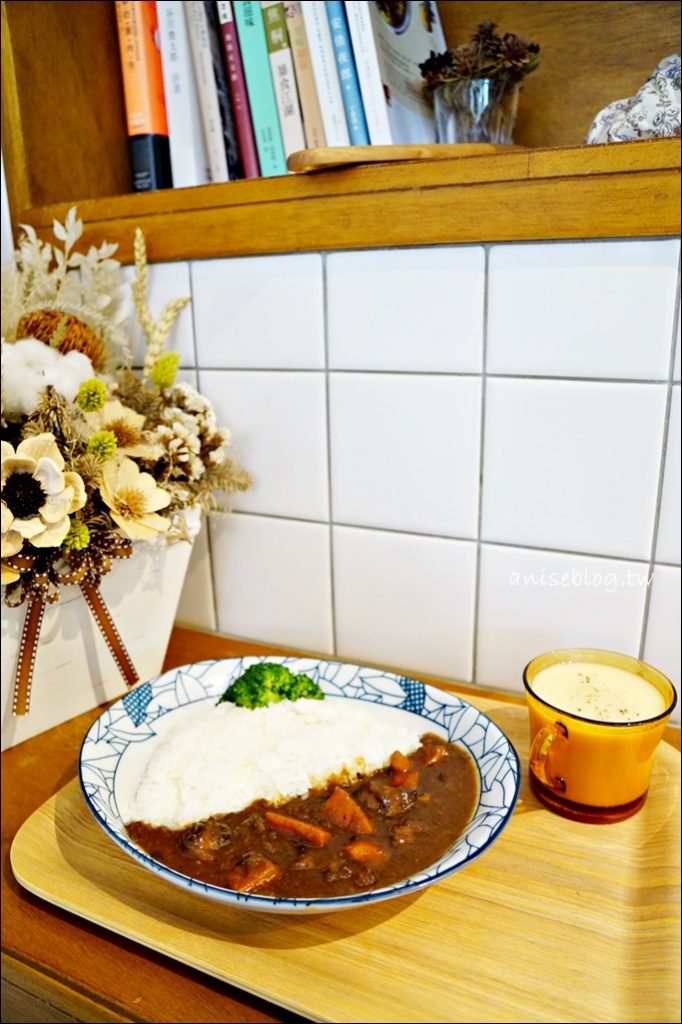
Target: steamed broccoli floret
x,y
267,683
260,685
302,686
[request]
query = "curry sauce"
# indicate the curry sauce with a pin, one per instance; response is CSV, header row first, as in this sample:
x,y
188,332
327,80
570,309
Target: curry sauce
x,y
341,839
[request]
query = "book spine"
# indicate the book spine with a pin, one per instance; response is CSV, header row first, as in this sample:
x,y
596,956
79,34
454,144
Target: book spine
x,y
187,149
326,75
348,79
237,86
145,103
230,140
197,29
254,50
305,79
283,77
368,72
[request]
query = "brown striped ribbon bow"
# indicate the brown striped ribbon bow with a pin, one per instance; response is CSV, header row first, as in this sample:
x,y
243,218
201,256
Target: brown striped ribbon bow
x,y
39,585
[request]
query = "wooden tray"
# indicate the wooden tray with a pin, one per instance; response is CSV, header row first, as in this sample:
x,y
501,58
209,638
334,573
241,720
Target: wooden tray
x,y
558,921
330,157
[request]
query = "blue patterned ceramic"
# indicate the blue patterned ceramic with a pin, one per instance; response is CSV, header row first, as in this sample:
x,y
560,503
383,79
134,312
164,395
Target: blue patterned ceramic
x,y
119,742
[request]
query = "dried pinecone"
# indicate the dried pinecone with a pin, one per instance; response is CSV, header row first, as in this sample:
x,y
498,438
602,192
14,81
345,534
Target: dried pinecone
x,y
508,58
517,54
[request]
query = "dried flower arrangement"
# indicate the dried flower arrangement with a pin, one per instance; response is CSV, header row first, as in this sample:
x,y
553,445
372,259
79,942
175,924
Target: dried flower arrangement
x,y
506,58
94,454
477,80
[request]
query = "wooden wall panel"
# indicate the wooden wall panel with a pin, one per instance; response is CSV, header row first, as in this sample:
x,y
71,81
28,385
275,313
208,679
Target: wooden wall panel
x,y
66,126
593,52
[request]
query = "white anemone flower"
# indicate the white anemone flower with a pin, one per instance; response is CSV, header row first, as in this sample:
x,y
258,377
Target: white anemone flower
x,y
134,499
37,495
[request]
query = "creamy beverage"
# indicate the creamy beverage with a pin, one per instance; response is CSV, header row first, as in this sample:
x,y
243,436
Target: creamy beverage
x,y
604,693
596,718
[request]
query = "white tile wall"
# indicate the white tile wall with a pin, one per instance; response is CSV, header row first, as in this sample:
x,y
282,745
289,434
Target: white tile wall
x,y
573,465
259,311
405,601
662,647
358,387
405,451
406,309
590,309
668,545
534,601
272,579
279,424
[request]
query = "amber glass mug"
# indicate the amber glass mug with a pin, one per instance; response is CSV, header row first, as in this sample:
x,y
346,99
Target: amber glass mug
x,y
596,718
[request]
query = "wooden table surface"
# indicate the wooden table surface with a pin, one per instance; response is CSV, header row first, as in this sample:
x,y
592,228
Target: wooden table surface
x,y
58,967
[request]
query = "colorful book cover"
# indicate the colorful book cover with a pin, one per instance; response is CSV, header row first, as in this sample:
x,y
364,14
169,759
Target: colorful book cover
x,y
202,59
368,72
405,34
283,76
187,147
348,78
227,119
326,76
253,45
145,102
305,79
237,86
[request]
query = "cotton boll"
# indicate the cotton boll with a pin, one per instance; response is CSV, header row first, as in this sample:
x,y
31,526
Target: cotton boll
x,y
29,366
31,353
67,375
21,381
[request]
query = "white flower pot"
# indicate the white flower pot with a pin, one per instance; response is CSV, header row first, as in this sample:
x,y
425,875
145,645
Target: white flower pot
x,y
74,669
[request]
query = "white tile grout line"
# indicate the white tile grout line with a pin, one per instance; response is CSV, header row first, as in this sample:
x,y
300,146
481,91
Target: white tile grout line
x,y
207,519
661,471
481,454
456,539
538,377
325,328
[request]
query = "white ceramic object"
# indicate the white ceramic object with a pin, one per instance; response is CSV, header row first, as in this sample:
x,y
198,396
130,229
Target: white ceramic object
x,y
74,669
118,745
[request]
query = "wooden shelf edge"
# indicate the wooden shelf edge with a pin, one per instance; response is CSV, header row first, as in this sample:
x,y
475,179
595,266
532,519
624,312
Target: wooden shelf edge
x,y
624,190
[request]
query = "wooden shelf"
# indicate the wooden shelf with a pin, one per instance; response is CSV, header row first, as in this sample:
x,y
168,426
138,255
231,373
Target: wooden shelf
x,y
625,190
64,144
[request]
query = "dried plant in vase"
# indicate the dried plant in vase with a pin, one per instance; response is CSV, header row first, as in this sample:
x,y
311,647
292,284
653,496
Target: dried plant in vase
x,y
476,85
95,455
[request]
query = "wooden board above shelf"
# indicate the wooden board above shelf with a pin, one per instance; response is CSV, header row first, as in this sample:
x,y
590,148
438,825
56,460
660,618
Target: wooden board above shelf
x,y
330,158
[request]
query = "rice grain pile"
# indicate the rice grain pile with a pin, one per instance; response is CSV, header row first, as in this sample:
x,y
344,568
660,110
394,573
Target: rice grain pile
x,y
220,759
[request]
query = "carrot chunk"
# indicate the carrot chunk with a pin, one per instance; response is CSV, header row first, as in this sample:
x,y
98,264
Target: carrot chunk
x,y
406,780
253,873
345,813
365,851
313,835
399,763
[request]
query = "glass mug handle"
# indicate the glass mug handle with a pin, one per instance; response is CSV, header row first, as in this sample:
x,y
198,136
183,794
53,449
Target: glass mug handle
x,y
539,752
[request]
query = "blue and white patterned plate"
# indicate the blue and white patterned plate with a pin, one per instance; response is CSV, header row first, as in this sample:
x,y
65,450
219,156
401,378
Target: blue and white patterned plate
x,y
120,741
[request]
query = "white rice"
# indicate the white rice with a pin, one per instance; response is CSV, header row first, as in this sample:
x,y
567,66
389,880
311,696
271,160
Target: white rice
x,y
220,759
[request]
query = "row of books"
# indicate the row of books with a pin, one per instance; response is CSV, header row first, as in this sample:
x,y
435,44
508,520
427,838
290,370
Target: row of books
x,y
216,91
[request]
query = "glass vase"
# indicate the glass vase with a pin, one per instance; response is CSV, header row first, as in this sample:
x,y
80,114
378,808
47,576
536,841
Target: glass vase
x,y
476,110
